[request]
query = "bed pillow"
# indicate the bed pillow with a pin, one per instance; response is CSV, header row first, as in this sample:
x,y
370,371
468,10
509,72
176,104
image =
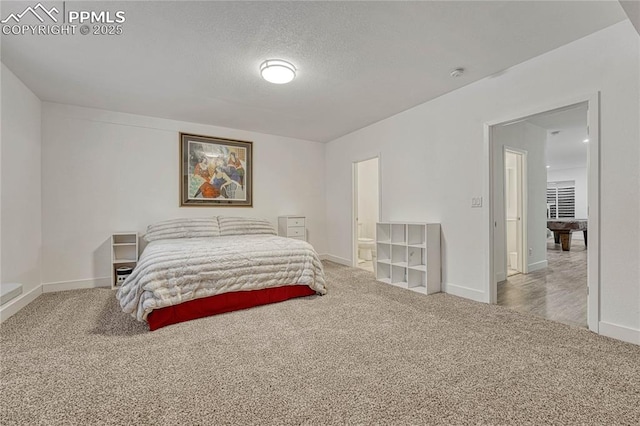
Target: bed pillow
x,y
244,226
183,228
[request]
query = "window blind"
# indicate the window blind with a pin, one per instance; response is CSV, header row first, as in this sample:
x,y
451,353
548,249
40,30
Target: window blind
x,y
561,199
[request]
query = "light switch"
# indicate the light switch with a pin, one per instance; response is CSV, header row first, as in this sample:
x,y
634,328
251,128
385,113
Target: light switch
x,y
476,202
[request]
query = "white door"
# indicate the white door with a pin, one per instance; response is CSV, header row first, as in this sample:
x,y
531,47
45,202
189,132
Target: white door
x,y
514,211
366,212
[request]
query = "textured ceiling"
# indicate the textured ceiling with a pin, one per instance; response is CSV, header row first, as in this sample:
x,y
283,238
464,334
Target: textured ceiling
x,y
632,8
359,62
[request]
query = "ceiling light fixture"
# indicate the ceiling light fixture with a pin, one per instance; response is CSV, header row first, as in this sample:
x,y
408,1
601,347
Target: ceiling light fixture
x,y
277,71
548,167
586,140
457,72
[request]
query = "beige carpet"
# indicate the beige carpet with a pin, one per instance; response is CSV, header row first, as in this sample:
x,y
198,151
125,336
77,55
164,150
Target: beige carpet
x,y
367,353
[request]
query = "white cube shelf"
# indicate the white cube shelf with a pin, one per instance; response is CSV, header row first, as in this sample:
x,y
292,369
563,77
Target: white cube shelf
x,y
409,255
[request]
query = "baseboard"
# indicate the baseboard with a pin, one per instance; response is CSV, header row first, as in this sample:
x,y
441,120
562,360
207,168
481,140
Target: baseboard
x,y
465,292
76,284
336,259
9,292
13,306
538,265
619,332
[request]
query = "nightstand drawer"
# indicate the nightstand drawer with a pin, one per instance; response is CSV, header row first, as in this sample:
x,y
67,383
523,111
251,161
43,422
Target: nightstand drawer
x,y
295,231
295,221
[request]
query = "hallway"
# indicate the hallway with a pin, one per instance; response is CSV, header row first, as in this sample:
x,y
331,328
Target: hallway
x,y
557,293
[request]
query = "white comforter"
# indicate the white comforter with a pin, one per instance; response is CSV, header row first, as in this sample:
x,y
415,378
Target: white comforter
x,y
173,271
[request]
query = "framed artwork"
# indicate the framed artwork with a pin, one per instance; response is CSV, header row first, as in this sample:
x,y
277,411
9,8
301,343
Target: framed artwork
x,y
215,172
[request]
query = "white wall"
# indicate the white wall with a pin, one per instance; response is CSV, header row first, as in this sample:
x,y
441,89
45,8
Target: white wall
x,y
434,161
2,73
105,172
532,139
368,203
21,184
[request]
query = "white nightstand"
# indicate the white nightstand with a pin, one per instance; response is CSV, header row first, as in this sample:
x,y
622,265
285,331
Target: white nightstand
x,y
292,226
124,253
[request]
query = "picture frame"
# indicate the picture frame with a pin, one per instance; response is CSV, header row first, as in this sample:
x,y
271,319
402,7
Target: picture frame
x,y
215,172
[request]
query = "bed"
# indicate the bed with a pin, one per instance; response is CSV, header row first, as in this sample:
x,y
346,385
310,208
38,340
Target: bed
x,y
192,268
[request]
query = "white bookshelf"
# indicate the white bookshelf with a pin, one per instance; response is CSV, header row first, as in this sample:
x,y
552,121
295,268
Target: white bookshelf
x,y
409,255
124,252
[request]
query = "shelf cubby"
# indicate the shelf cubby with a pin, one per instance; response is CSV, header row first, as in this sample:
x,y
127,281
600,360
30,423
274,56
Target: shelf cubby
x,y
399,255
383,252
124,253
125,239
415,256
398,274
384,272
383,232
415,278
398,233
416,235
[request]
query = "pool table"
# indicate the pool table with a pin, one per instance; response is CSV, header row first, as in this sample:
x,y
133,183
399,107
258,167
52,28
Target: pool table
x,y
563,228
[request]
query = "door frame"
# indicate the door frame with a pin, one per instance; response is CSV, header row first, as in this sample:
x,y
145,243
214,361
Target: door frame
x,y
524,265
593,195
354,203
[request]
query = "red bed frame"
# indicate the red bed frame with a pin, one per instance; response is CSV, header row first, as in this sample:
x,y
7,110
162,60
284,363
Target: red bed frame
x,y
221,303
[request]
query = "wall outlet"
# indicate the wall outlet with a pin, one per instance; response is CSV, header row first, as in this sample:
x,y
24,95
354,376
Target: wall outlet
x,y
530,251
476,202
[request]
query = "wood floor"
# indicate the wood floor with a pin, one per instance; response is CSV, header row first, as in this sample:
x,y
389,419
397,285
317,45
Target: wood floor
x,y
558,293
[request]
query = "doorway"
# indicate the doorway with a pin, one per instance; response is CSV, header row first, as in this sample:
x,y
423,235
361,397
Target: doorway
x,y
549,278
366,212
515,211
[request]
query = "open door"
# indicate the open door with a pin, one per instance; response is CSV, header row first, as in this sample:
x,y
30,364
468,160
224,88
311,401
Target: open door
x,y
366,196
515,212
519,225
